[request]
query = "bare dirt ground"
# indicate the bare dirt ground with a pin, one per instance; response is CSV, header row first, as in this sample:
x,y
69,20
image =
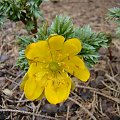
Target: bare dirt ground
x,y
98,99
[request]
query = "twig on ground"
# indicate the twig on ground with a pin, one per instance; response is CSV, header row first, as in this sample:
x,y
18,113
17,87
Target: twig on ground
x,y
8,72
20,99
67,116
101,108
77,96
110,66
110,87
33,108
16,79
38,107
11,80
116,45
94,101
28,113
16,86
6,84
112,78
19,76
100,93
85,109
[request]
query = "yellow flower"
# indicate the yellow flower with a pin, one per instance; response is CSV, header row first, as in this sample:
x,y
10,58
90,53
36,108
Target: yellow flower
x,y
50,62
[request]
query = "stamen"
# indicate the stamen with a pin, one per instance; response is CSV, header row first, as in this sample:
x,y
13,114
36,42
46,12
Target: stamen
x,y
54,66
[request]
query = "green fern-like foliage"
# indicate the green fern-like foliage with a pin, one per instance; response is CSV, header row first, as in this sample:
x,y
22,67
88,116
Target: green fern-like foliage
x,y
91,43
20,9
62,25
26,11
43,32
22,62
114,14
2,19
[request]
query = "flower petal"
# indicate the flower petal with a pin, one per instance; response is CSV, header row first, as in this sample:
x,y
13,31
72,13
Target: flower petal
x,y
72,46
22,84
41,96
37,68
56,42
58,88
72,61
75,66
34,81
29,88
34,87
82,74
37,51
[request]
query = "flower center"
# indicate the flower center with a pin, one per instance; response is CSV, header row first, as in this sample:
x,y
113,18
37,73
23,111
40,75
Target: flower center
x,y
54,66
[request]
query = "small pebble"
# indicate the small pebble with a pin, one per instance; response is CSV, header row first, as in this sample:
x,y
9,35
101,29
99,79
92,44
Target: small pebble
x,y
8,92
3,58
49,108
97,83
86,95
62,108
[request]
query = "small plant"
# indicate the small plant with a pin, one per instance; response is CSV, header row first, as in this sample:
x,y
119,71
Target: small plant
x,y
26,11
114,14
52,51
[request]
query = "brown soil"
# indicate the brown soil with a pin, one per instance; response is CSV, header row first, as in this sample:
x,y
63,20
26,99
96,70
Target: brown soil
x,y
98,99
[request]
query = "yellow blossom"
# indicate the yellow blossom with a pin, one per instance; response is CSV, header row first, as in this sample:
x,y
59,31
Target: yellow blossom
x,y
50,62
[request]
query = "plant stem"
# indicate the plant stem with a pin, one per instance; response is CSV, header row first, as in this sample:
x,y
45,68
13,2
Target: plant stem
x,y
33,31
35,26
24,21
110,53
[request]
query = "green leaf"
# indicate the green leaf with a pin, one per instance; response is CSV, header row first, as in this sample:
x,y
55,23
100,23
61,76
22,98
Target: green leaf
x,y
29,26
2,20
62,25
13,9
23,41
43,32
114,14
22,62
91,43
86,35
